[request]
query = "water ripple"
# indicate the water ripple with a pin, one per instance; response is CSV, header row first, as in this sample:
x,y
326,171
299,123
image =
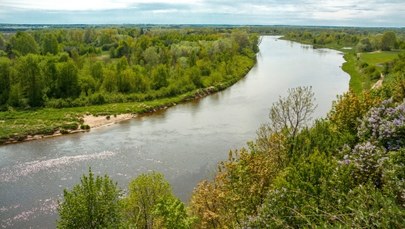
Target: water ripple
x,y
13,173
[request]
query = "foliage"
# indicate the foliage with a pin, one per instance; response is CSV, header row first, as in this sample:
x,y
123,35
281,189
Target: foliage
x,y
147,194
65,68
94,203
348,109
160,62
289,115
172,214
388,41
384,125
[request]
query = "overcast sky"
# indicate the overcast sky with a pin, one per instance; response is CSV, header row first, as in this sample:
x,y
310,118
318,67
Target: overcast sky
x,y
262,12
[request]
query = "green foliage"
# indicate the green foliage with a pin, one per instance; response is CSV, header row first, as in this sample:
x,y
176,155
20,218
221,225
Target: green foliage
x,y
50,44
4,80
388,41
145,192
23,43
172,214
68,80
94,203
31,80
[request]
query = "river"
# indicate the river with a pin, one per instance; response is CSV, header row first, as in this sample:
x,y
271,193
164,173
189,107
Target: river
x,y
184,142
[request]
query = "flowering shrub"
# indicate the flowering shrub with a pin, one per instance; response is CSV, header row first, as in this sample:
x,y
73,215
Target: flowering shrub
x,y
384,125
368,160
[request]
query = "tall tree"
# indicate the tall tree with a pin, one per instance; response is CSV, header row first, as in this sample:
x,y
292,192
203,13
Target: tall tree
x,y
145,192
23,43
160,75
31,78
4,80
388,41
49,44
68,80
94,203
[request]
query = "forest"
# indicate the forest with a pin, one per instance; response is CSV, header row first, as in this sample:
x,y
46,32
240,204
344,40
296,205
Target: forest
x,y
343,171
45,71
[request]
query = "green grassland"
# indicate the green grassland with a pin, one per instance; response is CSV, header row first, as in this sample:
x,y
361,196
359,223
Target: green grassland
x,y
378,58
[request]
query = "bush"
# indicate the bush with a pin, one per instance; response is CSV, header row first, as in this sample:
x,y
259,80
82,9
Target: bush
x,y
94,203
85,127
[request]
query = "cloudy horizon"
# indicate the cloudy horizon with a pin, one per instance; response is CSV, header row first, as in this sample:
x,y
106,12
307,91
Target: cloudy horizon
x,y
388,13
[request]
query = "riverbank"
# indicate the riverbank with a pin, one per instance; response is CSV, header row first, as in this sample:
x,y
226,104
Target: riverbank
x,y
358,65
20,126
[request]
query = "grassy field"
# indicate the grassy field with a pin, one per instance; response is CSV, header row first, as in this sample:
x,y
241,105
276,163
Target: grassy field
x,y
378,58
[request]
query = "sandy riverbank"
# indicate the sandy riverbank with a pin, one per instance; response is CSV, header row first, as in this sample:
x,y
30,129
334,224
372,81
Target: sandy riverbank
x,y
105,120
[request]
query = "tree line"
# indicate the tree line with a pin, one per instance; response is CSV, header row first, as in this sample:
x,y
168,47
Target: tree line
x,y
79,67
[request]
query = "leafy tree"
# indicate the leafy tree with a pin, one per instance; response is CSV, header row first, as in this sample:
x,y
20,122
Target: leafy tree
x,y
160,76
49,44
23,43
50,73
145,192
172,214
151,56
94,203
4,80
349,108
364,45
2,42
68,80
388,41
31,79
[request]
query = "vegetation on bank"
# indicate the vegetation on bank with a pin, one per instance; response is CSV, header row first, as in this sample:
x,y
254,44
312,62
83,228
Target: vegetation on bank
x,y
369,54
50,78
344,171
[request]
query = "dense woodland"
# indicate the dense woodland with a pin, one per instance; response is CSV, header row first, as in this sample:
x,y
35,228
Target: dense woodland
x,y
342,171
80,67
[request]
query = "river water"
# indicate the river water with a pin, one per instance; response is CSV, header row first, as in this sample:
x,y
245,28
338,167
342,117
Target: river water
x,y
184,142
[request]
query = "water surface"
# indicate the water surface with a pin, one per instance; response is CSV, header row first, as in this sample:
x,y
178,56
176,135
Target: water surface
x,y
184,142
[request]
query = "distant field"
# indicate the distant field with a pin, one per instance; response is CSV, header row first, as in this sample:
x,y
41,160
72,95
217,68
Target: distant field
x,y
378,58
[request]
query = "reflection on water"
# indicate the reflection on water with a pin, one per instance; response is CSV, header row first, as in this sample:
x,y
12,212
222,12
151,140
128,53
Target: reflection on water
x,y
184,142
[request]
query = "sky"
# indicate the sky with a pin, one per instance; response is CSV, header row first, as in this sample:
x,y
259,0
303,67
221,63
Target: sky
x,y
389,13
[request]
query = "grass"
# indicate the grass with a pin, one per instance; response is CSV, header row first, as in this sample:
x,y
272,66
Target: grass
x,y
17,124
357,82
378,58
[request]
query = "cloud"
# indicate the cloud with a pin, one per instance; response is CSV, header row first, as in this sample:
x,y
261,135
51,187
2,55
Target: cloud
x,y
297,12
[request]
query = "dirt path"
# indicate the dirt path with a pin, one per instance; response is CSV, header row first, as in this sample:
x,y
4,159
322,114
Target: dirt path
x,y
378,84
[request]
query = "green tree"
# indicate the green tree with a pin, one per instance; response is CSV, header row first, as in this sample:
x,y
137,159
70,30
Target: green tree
x,y
94,203
160,74
364,45
31,79
4,80
388,41
49,44
172,214
145,192
68,80
23,43
50,74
